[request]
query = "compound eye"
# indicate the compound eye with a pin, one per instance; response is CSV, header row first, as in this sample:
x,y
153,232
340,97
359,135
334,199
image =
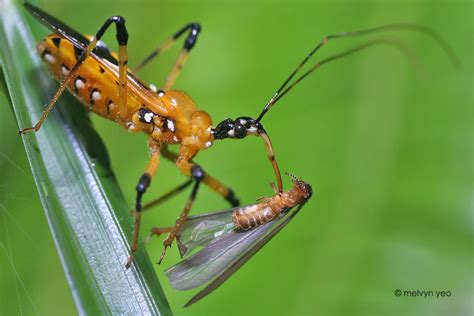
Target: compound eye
x,y
239,130
309,191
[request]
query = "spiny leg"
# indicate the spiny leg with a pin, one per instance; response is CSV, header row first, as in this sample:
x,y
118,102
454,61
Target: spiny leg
x,y
211,182
158,231
228,194
224,191
198,174
177,67
141,188
122,39
190,41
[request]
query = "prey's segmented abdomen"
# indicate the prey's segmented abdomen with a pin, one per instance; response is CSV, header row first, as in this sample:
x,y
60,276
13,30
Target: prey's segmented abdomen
x,y
252,216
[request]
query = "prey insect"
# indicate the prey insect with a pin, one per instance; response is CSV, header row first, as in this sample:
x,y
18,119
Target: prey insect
x,y
230,238
102,82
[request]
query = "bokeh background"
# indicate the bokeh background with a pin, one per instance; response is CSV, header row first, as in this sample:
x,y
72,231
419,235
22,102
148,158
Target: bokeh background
x,y
388,151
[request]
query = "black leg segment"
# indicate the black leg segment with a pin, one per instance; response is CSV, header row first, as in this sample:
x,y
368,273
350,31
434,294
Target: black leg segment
x,y
193,30
141,188
232,199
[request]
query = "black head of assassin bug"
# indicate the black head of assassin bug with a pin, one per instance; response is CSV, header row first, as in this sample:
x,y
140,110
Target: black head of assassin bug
x,y
101,80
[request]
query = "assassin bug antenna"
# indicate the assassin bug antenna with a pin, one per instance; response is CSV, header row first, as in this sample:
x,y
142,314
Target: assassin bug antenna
x,y
244,126
384,28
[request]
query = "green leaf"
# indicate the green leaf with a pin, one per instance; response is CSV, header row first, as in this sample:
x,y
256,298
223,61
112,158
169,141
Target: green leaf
x,y
85,208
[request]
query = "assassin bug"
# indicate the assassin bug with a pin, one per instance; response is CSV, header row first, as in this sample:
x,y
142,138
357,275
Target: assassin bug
x,y
230,238
101,80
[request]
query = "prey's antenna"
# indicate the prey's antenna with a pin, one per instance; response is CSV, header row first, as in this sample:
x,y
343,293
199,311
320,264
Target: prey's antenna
x,y
384,28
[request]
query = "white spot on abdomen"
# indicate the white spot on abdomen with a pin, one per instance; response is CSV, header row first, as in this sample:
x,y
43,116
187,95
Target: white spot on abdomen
x,y
50,58
96,96
64,70
79,84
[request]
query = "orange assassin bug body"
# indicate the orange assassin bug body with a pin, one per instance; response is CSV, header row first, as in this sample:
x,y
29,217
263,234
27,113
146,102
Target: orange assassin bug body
x,y
168,118
173,115
102,82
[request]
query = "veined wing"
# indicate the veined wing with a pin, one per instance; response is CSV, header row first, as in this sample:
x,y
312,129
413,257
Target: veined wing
x,y
77,39
200,230
223,256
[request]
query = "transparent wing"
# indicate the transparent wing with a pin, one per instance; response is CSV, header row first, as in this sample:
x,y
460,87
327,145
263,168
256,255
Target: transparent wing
x,y
200,230
222,256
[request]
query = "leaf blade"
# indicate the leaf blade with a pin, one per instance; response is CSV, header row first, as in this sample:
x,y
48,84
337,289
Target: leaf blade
x,y
85,209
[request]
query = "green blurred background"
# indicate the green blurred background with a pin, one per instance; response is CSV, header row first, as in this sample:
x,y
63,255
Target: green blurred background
x,y
388,152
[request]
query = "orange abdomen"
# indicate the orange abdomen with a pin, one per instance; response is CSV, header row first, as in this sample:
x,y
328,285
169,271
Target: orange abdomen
x,y
96,82
172,115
